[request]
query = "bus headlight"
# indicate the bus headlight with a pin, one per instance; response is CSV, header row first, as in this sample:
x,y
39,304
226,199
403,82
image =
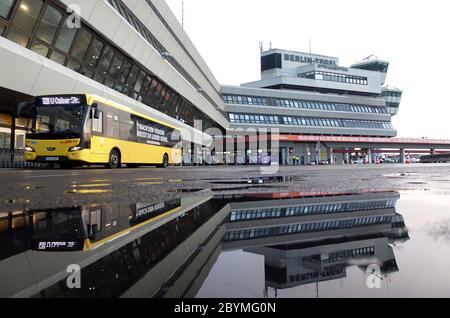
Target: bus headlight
x,y
28,149
76,148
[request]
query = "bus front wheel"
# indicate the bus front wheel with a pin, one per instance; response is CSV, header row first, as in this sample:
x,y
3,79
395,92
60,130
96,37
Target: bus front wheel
x,y
165,162
114,159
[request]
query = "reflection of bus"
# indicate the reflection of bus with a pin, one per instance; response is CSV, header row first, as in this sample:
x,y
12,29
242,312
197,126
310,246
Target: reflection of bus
x,y
87,129
86,228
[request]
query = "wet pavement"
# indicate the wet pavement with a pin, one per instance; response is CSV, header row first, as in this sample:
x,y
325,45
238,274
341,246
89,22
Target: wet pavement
x,y
358,231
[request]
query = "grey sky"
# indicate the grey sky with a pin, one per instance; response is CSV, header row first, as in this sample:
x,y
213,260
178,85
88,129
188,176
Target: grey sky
x,y
412,35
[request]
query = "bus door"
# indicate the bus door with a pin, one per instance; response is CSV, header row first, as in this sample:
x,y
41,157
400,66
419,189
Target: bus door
x,y
97,127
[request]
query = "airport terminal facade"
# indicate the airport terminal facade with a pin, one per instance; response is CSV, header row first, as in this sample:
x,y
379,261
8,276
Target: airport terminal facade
x,y
304,94
137,54
131,52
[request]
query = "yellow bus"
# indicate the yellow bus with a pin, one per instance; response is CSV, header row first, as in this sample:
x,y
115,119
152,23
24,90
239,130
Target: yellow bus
x,y
74,130
85,228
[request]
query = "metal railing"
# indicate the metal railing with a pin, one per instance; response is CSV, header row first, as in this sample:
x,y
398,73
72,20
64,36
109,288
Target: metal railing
x,y
14,159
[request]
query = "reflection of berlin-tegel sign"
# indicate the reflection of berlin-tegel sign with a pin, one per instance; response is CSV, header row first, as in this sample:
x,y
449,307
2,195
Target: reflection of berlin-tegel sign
x,y
151,134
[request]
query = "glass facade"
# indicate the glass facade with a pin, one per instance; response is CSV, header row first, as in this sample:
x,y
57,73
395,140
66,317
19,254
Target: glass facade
x,y
306,228
40,26
257,214
134,21
392,93
5,8
335,77
302,104
307,121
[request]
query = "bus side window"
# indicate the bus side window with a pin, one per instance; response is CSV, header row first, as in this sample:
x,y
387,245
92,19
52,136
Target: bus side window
x,y
112,125
97,124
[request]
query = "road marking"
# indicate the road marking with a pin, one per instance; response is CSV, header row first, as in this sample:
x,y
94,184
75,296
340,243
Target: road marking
x,y
55,175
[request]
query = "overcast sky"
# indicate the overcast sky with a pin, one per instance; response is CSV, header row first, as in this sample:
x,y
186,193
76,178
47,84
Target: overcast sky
x,y
412,35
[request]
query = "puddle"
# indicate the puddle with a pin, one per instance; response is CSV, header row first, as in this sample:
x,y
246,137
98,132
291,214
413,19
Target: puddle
x,y
284,244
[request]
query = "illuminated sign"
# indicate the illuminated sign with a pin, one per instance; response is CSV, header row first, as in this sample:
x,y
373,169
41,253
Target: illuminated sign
x,y
61,100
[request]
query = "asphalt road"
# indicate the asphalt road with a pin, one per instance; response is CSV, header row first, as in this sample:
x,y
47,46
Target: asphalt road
x,y
50,188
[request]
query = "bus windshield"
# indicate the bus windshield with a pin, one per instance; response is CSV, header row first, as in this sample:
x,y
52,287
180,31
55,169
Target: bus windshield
x,y
59,119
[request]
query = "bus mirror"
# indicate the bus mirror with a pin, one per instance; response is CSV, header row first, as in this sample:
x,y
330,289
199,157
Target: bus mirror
x,y
96,113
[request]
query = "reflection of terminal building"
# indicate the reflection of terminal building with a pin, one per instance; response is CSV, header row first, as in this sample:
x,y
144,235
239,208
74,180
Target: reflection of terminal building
x,y
303,240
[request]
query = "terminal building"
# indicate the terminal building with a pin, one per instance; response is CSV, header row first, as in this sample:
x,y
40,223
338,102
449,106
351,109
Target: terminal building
x,y
137,54
304,94
131,52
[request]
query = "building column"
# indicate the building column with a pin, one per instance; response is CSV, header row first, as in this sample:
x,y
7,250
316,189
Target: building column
x,y
347,156
402,155
369,156
318,152
12,144
331,156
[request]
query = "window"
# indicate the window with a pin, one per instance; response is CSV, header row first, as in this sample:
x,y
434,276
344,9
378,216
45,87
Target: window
x,y
17,38
65,38
27,14
112,125
127,131
116,65
58,58
73,65
49,24
122,76
81,44
40,49
131,80
97,124
105,61
5,9
94,53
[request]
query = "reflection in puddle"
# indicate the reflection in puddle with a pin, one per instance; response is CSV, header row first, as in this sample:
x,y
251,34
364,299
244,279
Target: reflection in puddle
x,y
320,236
208,246
87,191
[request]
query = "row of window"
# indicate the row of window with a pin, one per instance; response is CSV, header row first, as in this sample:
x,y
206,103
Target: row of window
x,y
310,209
304,104
392,93
164,22
349,254
40,25
307,121
340,207
335,77
134,21
305,228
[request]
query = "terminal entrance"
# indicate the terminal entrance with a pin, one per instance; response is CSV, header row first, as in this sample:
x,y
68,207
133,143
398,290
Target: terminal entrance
x,y
12,127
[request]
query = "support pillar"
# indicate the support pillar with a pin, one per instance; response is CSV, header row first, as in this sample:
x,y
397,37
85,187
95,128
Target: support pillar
x,y
12,143
402,155
369,156
347,156
331,156
318,153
